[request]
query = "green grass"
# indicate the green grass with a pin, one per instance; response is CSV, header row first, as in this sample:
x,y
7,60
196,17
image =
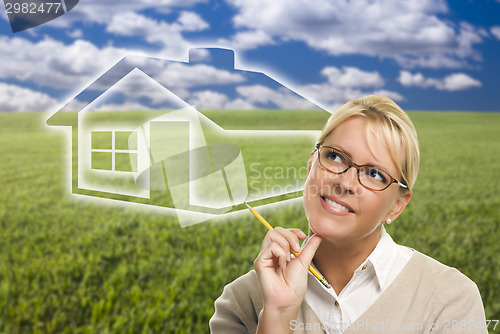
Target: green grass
x,y
68,265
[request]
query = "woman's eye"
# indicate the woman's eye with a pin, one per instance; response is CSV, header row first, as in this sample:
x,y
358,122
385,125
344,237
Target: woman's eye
x,y
377,175
335,157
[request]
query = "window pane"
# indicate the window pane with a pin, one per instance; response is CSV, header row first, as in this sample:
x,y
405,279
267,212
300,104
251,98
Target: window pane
x,y
126,162
125,140
101,160
101,140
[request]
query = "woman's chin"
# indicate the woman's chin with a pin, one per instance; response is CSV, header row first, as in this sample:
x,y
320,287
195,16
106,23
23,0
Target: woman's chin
x,y
327,229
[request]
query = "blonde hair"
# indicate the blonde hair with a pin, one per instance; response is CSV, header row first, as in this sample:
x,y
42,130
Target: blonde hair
x,y
395,127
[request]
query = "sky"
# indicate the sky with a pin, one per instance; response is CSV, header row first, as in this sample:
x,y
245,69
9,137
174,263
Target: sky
x,y
426,54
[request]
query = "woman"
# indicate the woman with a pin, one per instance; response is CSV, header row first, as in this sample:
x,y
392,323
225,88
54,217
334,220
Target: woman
x,y
360,178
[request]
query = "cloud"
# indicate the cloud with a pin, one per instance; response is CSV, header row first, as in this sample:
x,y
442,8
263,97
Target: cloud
x,y
182,77
495,31
344,84
190,82
15,98
352,77
214,100
281,97
452,82
332,97
414,33
76,34
208,100
247,40
189,21
170,81
102,12
167,35
51,63
137,91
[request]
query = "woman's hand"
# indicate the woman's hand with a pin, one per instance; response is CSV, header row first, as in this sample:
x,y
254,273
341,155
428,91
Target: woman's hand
x,y
282,278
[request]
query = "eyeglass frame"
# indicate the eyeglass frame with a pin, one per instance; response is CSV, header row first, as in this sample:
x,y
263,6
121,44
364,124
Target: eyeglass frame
x,y
355,165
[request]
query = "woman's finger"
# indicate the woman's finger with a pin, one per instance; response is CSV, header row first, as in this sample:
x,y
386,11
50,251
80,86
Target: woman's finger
x,y
282,255
309,250
270,256
291,236
276,237
298,232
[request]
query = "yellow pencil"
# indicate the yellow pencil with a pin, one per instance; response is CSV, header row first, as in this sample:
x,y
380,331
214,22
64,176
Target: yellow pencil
x,y
269,227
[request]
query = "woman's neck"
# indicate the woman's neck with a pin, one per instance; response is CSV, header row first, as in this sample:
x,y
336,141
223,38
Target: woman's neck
x,y
337,262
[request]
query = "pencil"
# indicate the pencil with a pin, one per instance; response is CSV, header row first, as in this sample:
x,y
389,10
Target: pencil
x,y
269,227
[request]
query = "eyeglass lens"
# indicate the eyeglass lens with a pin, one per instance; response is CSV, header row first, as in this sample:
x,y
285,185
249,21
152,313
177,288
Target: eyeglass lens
x,y
369,176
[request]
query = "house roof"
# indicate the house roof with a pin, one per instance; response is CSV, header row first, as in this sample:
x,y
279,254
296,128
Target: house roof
x,y
209,74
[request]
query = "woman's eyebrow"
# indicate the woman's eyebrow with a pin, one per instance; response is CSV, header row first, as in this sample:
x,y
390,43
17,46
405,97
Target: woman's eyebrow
x,y
341,149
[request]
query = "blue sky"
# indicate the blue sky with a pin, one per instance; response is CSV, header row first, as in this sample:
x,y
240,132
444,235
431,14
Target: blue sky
x,y
426,55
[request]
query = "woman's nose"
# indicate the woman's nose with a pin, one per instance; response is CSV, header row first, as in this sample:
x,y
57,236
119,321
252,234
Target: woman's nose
x,y
348,181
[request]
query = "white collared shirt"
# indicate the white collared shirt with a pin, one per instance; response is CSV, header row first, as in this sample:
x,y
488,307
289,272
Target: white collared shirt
x,y
370,279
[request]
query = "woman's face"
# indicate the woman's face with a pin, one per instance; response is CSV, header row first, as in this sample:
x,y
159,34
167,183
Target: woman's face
x,y
337,206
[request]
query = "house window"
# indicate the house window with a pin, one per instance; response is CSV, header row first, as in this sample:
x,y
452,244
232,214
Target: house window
x,y
114,151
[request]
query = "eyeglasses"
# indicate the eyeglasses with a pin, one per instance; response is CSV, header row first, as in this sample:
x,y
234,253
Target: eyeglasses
x,y
369,177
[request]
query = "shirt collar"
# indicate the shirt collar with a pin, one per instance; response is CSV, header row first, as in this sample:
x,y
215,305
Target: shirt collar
x,y
382,258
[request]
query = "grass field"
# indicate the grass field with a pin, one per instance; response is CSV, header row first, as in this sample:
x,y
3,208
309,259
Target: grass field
x,y
69,265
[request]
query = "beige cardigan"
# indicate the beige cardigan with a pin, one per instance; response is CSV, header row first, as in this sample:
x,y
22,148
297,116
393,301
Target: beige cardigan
x,y
426,297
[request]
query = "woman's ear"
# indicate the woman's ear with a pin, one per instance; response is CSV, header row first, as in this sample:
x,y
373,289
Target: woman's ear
x,y
398,206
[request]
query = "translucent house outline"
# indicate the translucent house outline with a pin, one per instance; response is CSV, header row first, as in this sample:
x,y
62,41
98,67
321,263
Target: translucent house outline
x,y
216,179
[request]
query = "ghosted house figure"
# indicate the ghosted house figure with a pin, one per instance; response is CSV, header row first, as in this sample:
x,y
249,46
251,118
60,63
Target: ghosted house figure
x,y
141,133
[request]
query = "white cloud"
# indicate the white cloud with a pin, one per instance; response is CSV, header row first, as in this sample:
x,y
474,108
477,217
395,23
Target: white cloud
x,y
133,24
51,63
244,40
182,75
417,79
137,86
208,100
282,97
459,81
15,98
214,100
178,81
452,82
190,21
495,31
332,97
167,35
411,32
76,34
352,77
102,12
346,84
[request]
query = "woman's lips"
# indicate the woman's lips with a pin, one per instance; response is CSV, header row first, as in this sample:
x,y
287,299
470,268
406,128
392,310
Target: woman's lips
x,y
336,206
